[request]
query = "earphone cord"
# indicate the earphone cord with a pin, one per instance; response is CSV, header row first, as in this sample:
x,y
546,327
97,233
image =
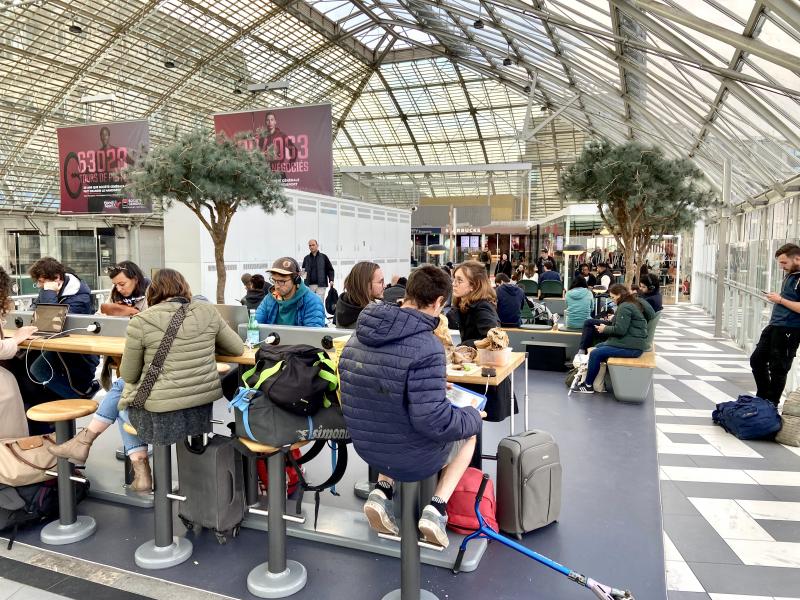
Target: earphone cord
x,y
49,364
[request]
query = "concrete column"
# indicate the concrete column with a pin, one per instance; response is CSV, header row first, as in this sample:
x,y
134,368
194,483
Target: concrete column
x,y
722,247
133,242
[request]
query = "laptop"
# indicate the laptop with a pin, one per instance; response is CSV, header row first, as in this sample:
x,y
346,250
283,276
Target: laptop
x,y
233,315
49,319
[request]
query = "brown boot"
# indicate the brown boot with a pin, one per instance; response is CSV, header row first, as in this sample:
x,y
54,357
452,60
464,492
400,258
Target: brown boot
x,y
76,449
142,478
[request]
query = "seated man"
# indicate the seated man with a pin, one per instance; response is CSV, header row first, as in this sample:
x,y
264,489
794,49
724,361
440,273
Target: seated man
x,y
394,397
549,273
290,302
67,375
510,299
395,292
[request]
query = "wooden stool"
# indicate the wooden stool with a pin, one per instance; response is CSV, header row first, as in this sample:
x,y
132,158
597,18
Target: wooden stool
x,y
165,549
278,577
70,527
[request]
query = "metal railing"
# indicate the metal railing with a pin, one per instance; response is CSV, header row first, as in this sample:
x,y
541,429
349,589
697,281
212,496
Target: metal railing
x,y
23,301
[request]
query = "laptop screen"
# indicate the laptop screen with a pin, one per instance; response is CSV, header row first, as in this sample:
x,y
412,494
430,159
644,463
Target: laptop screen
x,y
50,318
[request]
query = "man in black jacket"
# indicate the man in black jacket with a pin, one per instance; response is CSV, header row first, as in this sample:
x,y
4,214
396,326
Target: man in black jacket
x,y
318,270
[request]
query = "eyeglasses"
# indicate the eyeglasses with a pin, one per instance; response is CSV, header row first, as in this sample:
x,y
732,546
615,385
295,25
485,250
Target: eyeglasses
x,y
274,281
115,270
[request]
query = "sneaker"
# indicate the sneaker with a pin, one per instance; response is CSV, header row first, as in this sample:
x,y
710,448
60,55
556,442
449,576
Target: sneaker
x,y
581,358
432,525
380,513
585,389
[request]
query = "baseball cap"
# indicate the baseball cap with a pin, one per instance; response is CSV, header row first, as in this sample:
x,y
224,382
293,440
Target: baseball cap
x,y
285,266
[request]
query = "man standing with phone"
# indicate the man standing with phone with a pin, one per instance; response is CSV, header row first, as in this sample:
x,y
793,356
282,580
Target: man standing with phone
x,y
772,358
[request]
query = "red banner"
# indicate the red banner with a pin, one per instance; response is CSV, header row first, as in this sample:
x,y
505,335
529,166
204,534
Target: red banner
x,y
299,137
91,158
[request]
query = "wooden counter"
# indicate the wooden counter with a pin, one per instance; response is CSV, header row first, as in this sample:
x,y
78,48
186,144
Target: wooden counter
x,y
517,358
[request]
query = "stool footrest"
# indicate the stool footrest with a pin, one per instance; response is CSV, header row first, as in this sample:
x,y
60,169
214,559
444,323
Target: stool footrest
x,y
420,543
265,513
74,478
176,497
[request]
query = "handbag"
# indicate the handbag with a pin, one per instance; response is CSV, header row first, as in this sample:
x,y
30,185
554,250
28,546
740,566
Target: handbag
x,y
146,386
24,461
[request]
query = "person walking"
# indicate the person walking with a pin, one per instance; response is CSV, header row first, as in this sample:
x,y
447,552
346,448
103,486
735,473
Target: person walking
x,y
318,270
772,358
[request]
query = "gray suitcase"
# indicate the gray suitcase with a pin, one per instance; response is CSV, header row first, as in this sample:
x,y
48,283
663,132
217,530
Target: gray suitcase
x,y
528,482
212,481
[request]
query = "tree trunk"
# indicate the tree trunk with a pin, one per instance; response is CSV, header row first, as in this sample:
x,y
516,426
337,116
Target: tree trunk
x,y
630,256
219,236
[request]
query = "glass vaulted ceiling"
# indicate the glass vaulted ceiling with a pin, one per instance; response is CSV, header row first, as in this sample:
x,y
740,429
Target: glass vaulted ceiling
x,y
416,83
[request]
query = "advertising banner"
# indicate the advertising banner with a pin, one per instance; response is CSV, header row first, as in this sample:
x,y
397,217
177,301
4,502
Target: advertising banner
x,y
297,140
91,158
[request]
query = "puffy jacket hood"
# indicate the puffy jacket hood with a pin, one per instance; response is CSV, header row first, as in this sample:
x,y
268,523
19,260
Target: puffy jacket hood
x,y
579,293
346,312
383,324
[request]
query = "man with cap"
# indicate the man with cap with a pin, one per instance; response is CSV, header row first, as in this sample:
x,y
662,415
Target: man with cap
x,y
290,302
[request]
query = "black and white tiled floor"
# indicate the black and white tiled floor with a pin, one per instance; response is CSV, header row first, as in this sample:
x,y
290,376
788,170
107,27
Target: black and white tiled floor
x,y
731,509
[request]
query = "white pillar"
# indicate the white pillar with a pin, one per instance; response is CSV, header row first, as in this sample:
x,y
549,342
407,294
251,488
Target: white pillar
x,y
722,247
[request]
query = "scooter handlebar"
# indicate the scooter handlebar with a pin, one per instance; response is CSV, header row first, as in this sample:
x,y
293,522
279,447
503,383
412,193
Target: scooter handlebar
x,y
482,488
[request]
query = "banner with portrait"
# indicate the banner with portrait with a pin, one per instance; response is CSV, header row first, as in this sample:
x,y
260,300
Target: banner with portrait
x,y
296,140
91,159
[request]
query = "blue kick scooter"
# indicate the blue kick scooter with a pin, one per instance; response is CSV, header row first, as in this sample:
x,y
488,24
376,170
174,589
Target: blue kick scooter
x,y
601,591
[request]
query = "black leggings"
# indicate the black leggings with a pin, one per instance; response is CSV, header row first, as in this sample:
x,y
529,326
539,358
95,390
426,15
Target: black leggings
x,y
589,333
772,359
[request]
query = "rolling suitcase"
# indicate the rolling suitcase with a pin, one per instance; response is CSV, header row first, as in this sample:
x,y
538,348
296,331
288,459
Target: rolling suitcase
x,y
212,481
528,482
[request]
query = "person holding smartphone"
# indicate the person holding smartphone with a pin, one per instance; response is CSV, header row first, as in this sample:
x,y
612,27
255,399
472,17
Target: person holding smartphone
x,y
777,346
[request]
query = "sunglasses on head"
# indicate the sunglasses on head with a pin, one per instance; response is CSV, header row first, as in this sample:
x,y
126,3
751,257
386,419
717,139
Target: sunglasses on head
x,y
116,270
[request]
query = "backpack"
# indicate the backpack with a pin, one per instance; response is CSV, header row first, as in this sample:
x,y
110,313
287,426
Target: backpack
x,y
461,506
298,378
748,418
292,480
339,466
31,504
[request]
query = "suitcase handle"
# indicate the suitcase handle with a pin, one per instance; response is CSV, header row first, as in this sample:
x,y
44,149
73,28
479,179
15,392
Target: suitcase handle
x,y
231,488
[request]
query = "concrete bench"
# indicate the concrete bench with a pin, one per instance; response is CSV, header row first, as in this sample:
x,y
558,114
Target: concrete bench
x,y
632,378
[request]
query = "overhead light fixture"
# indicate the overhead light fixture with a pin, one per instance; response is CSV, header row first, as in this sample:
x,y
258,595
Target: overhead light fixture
x,y
574,249
282,84
437,249
605,231
478,24
104,97
75,28
527,89
507,62
237,87
169,63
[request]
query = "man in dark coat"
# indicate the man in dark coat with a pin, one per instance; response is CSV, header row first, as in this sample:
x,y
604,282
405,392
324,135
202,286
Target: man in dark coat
x,y
318,270
394,394
503,266
395,292
68,375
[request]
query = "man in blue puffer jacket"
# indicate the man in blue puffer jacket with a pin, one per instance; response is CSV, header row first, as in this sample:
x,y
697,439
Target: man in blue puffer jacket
x,y
290,302
393,381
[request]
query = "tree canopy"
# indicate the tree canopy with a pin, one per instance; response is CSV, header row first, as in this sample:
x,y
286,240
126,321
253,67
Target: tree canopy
x,y
213,176
641,194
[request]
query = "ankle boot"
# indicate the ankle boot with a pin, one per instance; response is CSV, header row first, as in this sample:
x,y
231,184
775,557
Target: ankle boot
x,y
76,449
142,477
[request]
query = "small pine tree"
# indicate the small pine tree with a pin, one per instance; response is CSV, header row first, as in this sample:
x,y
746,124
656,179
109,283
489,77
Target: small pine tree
x,y
641,195
213,176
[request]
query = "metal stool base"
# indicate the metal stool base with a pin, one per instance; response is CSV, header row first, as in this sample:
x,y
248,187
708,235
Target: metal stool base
x,y
150,556
56,534
362,489
262,583
423,595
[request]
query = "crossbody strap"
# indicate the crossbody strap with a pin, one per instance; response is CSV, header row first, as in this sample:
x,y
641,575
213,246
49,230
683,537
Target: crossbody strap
x,y
146,386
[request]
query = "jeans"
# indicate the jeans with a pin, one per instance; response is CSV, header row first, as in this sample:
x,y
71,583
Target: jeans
x,y
107,412
589,332
58,381
772,359
319,290
602,353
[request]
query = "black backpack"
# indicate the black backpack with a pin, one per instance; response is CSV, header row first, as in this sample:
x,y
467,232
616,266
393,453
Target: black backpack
x,y
32,504
298,378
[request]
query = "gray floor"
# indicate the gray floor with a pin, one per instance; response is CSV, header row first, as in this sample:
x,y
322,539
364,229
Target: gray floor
x,y
610,527
731,509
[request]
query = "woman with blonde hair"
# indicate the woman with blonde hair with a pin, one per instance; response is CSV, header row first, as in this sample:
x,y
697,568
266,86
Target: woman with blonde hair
x,y
474,313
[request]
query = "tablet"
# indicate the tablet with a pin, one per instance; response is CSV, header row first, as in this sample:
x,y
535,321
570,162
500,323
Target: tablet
x,y
462,397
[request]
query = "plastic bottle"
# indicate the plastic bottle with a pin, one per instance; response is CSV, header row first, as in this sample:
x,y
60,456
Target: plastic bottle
x,y
555,321
252,329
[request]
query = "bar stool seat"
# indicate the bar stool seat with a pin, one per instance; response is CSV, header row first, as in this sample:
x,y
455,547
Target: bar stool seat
x,y
69,527
61,410
259,448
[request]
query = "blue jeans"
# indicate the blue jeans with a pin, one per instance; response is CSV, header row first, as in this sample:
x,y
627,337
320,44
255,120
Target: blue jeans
x,y
59,382
108,412
602,353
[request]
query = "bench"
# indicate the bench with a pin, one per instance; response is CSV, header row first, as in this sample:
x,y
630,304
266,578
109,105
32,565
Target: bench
x,y
632,378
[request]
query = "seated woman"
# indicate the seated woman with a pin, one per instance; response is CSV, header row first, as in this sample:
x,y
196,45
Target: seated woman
x,y
531,274
128,298
580,302
13,423
627,336
650,291
179,403
363,286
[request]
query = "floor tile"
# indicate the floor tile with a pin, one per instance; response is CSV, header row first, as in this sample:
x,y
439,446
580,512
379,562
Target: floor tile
x,y
755,581
730,520
8,588
790,478
782,531
708,475
668,367
697,541
767,553
779,511
680,577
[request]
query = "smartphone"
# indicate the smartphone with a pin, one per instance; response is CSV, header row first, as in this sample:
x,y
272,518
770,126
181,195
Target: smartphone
x,y
764,292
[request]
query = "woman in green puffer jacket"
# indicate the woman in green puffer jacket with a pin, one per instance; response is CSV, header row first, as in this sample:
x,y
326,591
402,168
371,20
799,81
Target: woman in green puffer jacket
x,y
627,335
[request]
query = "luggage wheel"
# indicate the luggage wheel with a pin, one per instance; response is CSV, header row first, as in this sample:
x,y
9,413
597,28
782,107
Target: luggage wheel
x,y
235,531
222,539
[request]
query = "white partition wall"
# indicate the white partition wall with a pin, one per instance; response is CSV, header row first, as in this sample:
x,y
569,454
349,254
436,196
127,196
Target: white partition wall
x,y
347,231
